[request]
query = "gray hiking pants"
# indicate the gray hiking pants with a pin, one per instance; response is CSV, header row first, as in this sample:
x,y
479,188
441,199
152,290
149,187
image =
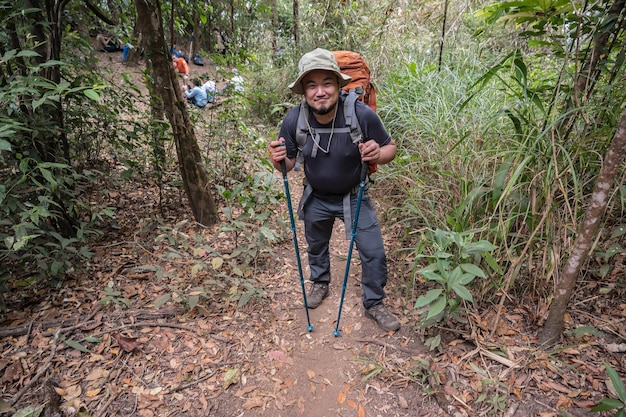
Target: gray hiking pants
x,y
319,214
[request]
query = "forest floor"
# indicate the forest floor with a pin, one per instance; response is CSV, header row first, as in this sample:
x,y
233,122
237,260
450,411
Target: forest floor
x,y
105,343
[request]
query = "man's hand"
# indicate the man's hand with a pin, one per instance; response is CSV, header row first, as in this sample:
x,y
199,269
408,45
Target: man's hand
x,y
277,150
370,151
373,153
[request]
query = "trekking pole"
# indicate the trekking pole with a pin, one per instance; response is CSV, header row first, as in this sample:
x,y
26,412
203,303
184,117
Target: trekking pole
x,y
364,167
283,168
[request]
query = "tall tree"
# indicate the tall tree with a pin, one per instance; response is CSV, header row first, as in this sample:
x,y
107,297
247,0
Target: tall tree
x,y
296,24
584,239
164,85
275,27
606,38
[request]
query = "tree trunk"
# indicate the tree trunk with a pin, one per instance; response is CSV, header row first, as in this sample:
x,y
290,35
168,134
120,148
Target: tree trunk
x,y
275,27
165,86
599,199
195,37
296,25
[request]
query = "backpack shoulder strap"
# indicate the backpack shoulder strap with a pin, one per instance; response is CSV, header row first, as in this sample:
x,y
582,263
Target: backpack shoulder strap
x,y
302,129
349,112
301,133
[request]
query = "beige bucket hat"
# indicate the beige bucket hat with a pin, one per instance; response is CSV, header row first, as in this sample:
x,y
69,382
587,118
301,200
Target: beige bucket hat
x,y
318,59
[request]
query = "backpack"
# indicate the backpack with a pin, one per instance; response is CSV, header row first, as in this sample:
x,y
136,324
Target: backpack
x,y
360,88
354,65
197,59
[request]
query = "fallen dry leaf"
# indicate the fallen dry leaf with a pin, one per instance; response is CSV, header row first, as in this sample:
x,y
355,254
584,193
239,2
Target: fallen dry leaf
x,y
253,403
341,397
246,390
403,402
92,393
128,344
278,355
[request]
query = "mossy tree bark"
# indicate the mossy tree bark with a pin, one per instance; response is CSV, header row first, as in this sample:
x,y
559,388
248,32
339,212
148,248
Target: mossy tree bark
x,y
165,89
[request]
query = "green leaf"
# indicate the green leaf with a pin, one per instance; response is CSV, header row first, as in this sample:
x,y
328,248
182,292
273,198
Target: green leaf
x,y
491,261
473,269
479,247
462,292
162,299
196,268
93,339
92,94
38,102
74,344
428,298
617,382
49,177
617,232
217,262
466,279
607,404
27,53
432,276
244,298
192,300
30,411
437,307
433,342
5,145
231,377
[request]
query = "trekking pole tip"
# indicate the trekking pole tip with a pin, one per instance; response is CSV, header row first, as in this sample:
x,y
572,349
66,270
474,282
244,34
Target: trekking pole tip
x,y
336,333
309,328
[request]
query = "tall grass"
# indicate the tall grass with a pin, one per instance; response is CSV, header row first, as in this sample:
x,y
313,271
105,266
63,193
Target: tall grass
x,y
480,153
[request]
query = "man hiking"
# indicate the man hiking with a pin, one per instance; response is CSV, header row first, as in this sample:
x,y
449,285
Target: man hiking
x,y
332,166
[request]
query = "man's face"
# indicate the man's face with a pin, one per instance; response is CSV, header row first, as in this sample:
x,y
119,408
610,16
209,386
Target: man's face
x,y
321,91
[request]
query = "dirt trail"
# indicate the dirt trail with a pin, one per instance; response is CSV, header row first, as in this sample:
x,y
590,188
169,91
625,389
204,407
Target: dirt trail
x,y
323,375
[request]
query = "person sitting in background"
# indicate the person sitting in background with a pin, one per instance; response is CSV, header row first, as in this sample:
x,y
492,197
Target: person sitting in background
x,y
175,52
197,94
107,44
181,66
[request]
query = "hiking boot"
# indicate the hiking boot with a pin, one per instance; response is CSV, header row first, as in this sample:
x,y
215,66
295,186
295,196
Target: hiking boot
x,y
384,318
318,291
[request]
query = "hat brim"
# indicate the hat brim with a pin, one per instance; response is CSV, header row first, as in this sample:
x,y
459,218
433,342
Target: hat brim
x,y
296,86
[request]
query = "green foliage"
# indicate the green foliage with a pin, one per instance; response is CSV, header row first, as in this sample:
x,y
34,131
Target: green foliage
x,y
247,216
453,266
113,296
440,147
492,393
52,130
232,274
618,404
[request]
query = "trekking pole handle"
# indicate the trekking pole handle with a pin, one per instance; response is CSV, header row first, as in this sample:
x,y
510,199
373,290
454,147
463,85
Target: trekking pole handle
x,y
364,169
283,164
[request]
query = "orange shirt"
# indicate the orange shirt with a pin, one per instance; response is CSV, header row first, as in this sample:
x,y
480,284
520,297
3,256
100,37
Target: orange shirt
x,y
181,65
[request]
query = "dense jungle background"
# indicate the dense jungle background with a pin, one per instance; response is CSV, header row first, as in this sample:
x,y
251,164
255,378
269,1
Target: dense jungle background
x,y
147,265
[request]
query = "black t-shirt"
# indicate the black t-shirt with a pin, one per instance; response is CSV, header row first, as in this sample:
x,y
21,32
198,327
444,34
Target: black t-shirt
x,y
336,171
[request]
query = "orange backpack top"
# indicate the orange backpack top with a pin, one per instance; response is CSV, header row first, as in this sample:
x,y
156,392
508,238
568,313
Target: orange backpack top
x,y
354,65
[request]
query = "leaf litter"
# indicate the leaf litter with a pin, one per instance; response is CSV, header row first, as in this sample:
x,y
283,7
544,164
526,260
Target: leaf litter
x,y
142,353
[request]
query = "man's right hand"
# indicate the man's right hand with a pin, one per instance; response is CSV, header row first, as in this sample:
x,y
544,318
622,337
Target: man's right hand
x,y
277,150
